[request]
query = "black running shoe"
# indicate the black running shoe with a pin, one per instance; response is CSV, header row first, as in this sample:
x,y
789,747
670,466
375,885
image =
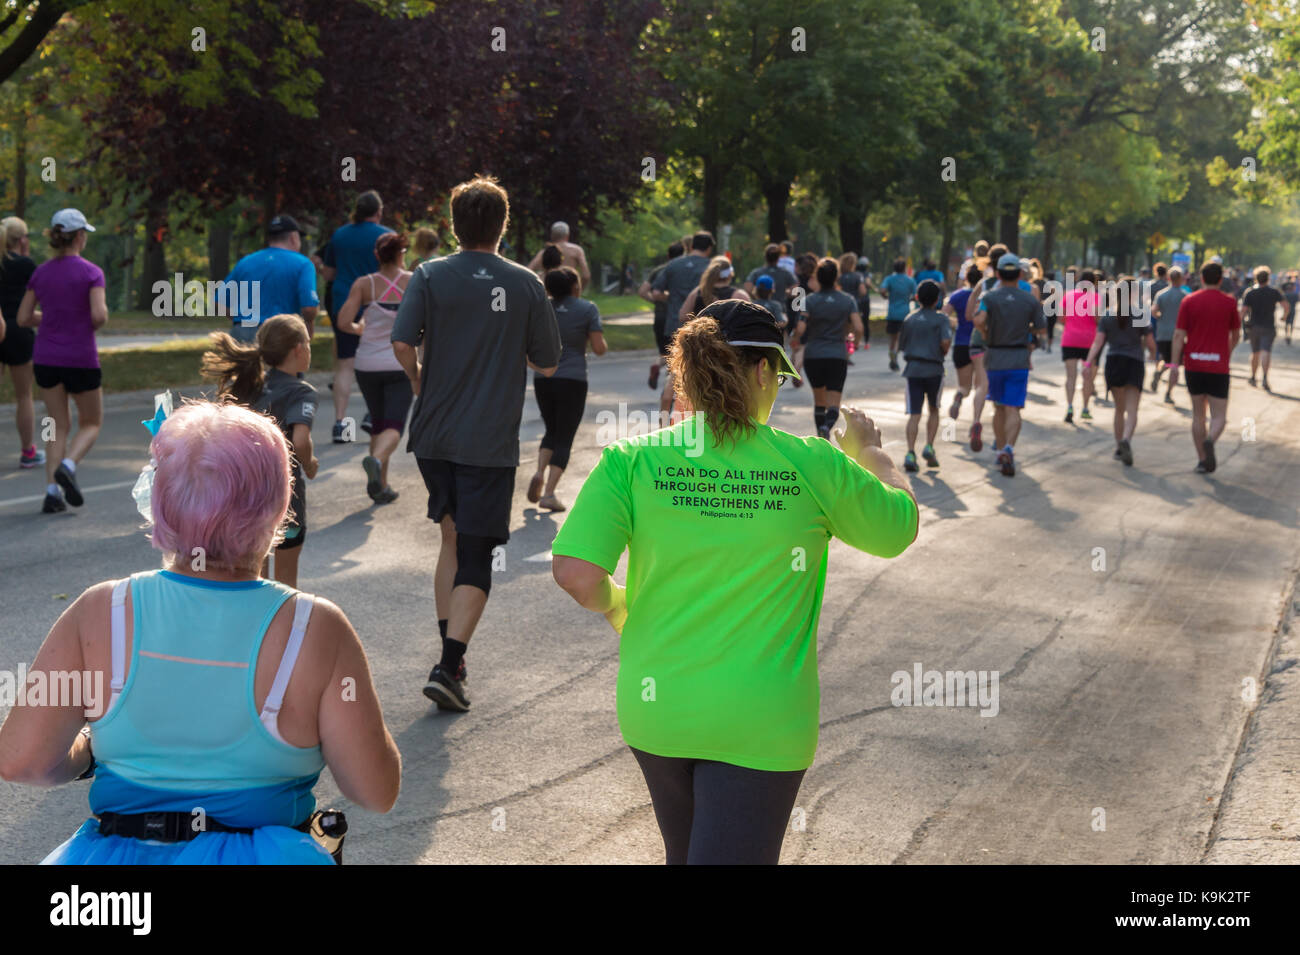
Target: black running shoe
x,y
447,691
374,476
1126,453
1210,462
53,505
338,433
1201,468
64,478
365,424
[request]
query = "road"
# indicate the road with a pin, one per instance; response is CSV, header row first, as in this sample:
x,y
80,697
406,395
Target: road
x,y
1121,669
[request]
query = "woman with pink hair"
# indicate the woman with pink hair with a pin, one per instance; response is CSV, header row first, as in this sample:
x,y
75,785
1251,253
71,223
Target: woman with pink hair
x,y
205,750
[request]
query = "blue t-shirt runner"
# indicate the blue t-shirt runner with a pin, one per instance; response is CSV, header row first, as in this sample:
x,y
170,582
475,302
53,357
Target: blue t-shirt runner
x,y
900,287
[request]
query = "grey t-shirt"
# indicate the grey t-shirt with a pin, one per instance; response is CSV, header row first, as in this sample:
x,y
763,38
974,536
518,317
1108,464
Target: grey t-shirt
x,y
827,315
679,278
576,318
851,284
773,306
921,342
782,279
1012,314
479,316
1168,302
290,401
1123,342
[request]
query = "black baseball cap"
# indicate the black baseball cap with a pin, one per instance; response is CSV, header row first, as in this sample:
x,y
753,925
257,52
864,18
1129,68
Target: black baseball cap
x,y
744,324
282,225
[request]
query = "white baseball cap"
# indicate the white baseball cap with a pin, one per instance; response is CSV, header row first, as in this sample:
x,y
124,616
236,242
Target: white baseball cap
x,y
70,220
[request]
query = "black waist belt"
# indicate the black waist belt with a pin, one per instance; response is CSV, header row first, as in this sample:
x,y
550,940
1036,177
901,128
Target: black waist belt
x,y
327,828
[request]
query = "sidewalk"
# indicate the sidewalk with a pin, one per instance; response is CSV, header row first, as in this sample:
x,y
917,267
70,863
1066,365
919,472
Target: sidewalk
x,y
1259,815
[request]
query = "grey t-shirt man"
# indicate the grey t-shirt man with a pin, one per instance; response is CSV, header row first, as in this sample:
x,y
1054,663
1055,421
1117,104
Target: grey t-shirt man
x,y
1168,302
479,316
1120,341
782,280
679,278
827,317
577,318
1012,314
921,342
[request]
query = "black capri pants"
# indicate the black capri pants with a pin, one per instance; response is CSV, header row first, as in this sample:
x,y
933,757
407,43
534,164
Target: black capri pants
x,y
388,398
561,402
713,813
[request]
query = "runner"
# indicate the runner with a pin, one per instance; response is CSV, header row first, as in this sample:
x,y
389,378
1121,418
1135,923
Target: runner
x,y
1165,313
1292,295
979,256
977,349
821,327
1259,305
470,399
929,271
734,721
283,346
380,377
213,739
955,309
786,261
424,244
783,280
924,342
678,279
350,255
851,284
661,312
1006,319
285,280
1209,328
16,342
1125,372
765,289
715,284
65,300
1079,310
899,288
571,254
562,397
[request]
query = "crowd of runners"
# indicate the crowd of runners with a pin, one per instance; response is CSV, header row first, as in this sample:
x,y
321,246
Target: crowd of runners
x,y
440,352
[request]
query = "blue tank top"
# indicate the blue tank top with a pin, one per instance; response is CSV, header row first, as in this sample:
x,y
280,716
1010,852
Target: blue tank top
x,y
185,733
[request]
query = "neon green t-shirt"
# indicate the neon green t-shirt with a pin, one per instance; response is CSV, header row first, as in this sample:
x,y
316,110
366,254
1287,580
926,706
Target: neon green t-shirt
x,y
726,568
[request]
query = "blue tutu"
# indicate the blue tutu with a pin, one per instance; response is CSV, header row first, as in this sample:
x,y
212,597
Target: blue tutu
x,y
269,845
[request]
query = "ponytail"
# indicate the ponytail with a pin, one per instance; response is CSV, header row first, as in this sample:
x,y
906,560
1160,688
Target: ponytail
x,y
713,376
238,369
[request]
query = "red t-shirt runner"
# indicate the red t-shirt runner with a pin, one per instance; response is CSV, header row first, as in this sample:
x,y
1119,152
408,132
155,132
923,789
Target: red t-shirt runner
x,y
1208,316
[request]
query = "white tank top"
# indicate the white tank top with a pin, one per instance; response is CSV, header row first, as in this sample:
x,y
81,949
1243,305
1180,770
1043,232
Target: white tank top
x,y
375,350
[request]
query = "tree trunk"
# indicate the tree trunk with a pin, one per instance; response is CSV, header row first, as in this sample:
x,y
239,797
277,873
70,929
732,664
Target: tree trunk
x,y
219,233
990,226
1009,226
945,244
1049,242
1083,256
20,163
155,256
712,195
777,195
852,236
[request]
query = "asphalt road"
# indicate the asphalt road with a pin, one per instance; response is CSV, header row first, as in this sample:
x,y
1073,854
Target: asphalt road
x,y
1120,688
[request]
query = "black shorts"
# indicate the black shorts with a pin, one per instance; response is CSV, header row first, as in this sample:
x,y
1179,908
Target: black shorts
x,y
1206,383
17,347
828,373
893,326
345,343
662,341
960,355
922,390
1069,351
477,498
388,398
73,380
1124,372
1261,337
1166,350
295,530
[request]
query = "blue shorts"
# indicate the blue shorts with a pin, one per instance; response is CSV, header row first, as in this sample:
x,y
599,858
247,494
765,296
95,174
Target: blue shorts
x,y
1009,387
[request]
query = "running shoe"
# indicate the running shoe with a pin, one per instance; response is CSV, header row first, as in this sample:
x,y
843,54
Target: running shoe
x,y
1252,381
535,489
1201,468
338,433
824,433
31,457
1266,387
1155,381
1169,399
1007,462
893,364
387,496
1126,453
53,504
374,476
976,442
1069,415
1085,415
931,459
447,691
909,462
1118,453
955,410
365,424
1210,462
552,503
65,479
654,376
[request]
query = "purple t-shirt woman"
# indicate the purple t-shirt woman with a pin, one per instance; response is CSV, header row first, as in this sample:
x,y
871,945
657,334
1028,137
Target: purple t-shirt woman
x,y
66,337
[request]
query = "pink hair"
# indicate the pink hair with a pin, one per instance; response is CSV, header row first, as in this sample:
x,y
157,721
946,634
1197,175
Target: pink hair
x,y
221,483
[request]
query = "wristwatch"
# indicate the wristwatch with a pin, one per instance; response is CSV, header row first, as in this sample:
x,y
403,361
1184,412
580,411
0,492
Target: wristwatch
x,y
90,770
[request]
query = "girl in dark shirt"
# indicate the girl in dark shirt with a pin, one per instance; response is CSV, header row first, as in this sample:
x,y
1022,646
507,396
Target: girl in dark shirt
x,y
16,343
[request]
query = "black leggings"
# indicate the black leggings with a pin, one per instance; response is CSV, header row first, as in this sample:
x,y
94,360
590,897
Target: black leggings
x,y
714,813
561,402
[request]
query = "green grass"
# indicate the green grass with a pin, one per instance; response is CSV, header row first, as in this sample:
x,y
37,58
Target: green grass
x,y
619,304
146,323
176,364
